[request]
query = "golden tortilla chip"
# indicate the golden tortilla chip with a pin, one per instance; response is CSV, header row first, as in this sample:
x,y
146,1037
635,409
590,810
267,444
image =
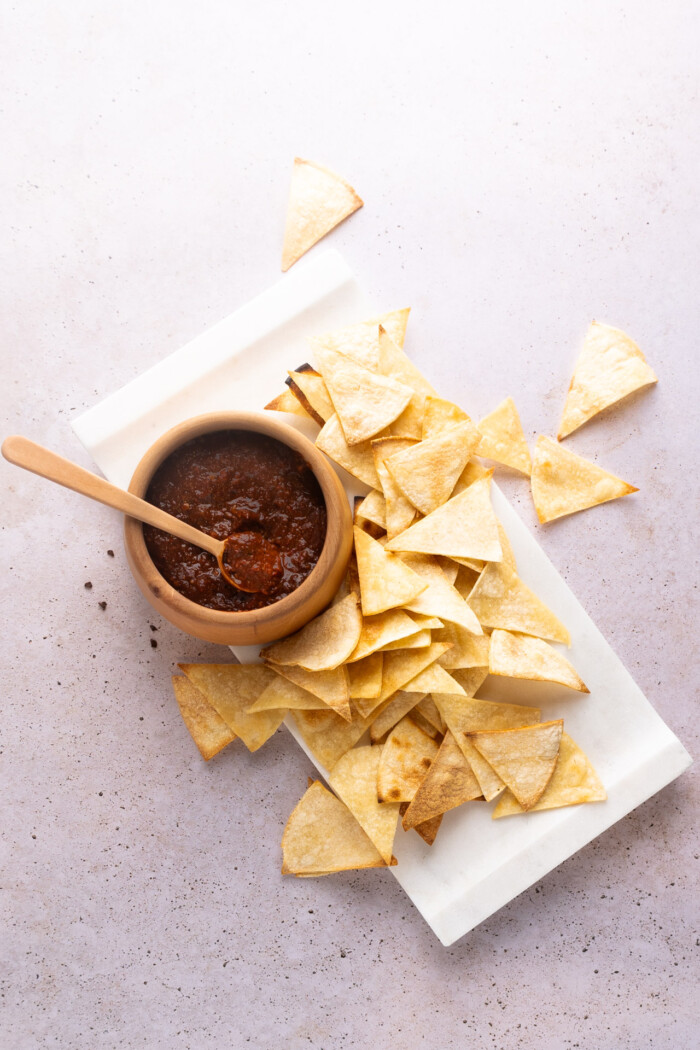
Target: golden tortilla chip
x,y
322,836
440,598
283,695
610,367
385,582
394,363
520,656
358,460
473,471
434,679
501,599
427,472
467,649
573,782
391,711
287,402
428,709
405,759
207,728
402,666
523,758
440,415
361,341
378,631
324,643
448,783
564,483
330,686
410,423
373,508
428,830
430,623
327,735
419,640
318,200
231,689
364,401
366,677
464,527
354,780
502,438
310,389
399,511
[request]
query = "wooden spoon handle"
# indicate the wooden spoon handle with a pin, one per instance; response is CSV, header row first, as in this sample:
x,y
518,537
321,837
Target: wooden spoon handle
x,y
27,454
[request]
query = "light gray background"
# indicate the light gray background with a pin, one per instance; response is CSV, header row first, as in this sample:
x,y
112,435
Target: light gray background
x,y
525,168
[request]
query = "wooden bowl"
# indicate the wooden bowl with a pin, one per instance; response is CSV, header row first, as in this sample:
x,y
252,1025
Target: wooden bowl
x,y
256,625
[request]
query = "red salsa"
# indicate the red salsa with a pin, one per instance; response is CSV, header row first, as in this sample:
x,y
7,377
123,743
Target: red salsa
x,y
252,488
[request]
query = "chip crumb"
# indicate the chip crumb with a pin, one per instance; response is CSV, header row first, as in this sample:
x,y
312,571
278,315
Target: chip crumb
x,y
154,643
110,553
102,605
87,586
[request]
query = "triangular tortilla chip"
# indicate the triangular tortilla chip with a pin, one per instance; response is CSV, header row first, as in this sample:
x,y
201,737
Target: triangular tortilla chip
x,y
358,460
523,758
574,781
471,473
402,666
428,709
318,200
283,695
231,689
324,643
393,362
322,836
366,677
287,402
448,783
434,679
354,780
330,686
502,437
391,711
429,623
440,598
427,472
501,599
365,401
378,631
428,830
405,759
207,728
327,735
464,527
468,649
564,483
373,508
520,656
419,640
385,582
440,415
610,367
361,341
410,423
309,388
399,511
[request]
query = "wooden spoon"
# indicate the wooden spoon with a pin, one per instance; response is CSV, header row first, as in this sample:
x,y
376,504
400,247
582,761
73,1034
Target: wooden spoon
x,y
247,559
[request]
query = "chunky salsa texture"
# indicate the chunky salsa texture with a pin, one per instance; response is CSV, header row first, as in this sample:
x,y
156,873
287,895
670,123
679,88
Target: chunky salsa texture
x,y
251,487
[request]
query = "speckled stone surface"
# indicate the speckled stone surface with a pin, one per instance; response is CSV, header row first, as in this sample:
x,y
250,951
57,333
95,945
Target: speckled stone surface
x,y
525,169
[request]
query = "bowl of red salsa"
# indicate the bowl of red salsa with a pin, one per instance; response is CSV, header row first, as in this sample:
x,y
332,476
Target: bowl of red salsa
x,y
246,476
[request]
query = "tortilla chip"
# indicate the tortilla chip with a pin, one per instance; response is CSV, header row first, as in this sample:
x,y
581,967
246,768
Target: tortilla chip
x,y
231,689
366,677
358,460
520,656
327,735
283,695
428,829
428,709
610,367
287,402
322,836
361,341
427,472
410,423
440,415
419,640
399,511
364,401
385,582
310,389
373,508
502,438
523,758
207,728
318,200
378,631
434,679
430,623
564,483
354,780
394,363
464,527
330,686
501,599
467,649
402,666
573,782
391,711
405,759
473,471
448,783
324,643
440,598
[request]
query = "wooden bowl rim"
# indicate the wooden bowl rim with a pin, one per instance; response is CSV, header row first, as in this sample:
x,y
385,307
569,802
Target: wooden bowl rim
x,y
257,422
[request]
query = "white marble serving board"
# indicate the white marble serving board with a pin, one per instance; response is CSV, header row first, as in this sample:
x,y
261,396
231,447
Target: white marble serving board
x,y
476,865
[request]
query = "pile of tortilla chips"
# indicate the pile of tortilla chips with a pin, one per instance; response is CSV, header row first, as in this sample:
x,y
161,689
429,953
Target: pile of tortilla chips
x,y
383,685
